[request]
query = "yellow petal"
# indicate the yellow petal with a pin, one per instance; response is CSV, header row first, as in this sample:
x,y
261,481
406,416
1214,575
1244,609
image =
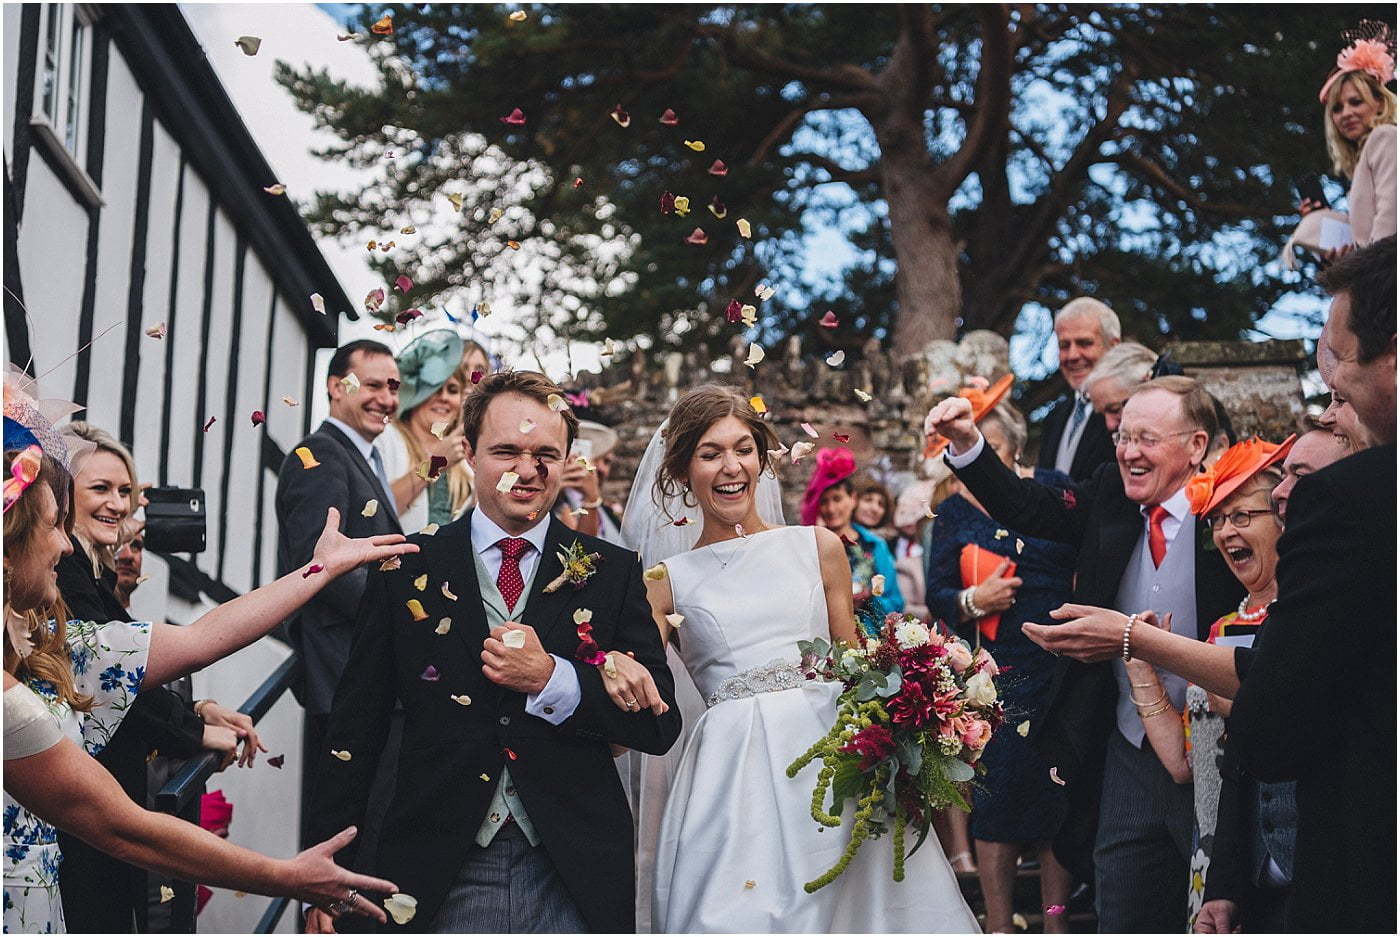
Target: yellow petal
x,y
696,145
1024,729
401,908
447,593
463,700
408,229
755,354
744,229
166,894
861,395
756,401
421,582
1002,533
836,358
484,776
609,667
343,756
518,16
351,383
429,530
308,461
583,615
291,401
507,482
456,199
682,205
318,303
556,403
674,620
877,585
495,216
748,315
415,608
370,509
276,188
249,44
656,573
443,626
439,428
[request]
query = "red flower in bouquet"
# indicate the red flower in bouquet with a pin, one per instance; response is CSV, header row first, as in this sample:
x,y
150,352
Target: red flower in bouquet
x,y
913,706
874,744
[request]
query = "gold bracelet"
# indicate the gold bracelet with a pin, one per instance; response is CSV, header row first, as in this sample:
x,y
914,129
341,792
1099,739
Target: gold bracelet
x,y
1158,711
1149,703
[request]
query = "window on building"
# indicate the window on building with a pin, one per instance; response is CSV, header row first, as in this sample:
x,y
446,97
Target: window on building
x,y
63,66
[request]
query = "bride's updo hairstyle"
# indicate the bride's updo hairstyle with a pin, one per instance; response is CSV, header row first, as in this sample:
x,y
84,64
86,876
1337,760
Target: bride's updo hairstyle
x,y
690,419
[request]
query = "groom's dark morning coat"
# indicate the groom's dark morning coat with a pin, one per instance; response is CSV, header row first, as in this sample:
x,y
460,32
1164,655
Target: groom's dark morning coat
x,y
453,754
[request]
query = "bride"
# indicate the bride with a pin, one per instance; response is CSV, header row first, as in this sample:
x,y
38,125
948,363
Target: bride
x,y
737,840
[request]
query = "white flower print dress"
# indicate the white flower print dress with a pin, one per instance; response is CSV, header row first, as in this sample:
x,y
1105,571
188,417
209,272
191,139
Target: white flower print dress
x,y
109,662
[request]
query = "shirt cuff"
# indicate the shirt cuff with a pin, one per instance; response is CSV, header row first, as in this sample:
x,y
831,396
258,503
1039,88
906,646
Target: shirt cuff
x,y
957,461
560,696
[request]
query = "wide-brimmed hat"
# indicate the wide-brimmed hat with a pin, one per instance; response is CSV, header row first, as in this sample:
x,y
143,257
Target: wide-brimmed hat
x,y
604,438
425,365
1208,490
983,402
834,464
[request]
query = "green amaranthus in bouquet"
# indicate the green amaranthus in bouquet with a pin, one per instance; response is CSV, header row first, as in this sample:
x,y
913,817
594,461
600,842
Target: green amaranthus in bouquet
x,y
916,713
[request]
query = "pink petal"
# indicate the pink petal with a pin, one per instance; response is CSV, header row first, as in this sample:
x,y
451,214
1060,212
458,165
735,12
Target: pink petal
x,y
829,321
403,284
515,118
717,168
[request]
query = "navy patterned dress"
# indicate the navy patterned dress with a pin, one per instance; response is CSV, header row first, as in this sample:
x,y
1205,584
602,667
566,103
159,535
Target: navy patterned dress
x,y
1015,801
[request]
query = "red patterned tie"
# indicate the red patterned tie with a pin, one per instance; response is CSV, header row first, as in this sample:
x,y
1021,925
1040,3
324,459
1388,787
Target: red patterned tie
x,y
1156,537
509,580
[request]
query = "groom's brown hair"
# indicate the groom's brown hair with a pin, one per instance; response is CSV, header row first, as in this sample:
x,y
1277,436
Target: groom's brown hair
x,y
530,384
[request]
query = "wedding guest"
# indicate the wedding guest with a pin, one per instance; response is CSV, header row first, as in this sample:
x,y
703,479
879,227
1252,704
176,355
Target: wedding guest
x,y
587,511
1314,451
911,511
973,587
348,474
1339,417
423,455
127,566
476,360
1122,367
1129,822
1359,125
830,500
1076,441
1337,564
874,507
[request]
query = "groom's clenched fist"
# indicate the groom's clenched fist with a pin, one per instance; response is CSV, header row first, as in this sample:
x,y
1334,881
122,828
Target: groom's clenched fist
x,y
506,661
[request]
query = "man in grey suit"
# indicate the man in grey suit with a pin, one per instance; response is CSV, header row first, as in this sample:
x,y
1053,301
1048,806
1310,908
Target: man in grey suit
x,y
348,473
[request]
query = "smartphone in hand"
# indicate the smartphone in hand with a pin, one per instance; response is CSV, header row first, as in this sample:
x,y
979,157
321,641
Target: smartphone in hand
x,y
1309,188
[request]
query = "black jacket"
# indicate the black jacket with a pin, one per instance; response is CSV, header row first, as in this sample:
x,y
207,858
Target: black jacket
x,y
1098,519
1317,704
452,754
102,894
1095,445
322,629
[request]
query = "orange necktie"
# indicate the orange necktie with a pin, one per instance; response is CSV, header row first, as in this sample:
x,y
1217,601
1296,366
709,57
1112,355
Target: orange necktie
x,y
1156,537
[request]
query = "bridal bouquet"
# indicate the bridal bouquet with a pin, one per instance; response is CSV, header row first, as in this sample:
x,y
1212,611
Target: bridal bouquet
x,y
911,724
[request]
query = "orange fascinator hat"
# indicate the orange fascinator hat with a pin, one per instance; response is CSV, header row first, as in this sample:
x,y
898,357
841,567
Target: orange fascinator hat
x,y
983,402
1236,465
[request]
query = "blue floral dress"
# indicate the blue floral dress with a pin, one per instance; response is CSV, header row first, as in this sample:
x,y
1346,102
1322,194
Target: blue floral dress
x,y
109,663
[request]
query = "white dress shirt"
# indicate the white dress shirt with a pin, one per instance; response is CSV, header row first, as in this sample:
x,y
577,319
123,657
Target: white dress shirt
x,y
1069,439
368,449
562,694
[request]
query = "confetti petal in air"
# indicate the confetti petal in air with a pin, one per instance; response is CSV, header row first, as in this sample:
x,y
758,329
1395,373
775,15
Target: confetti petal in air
x,y
842,438
698,236
1002,533
421,582
346,37
408,315
674,620
394,383
447,592
1020,544
258,417
415,608
401,908
343,756
276,188
373,300
383,27
443,626
166,894
476,377
800,449
408,229
756,401
157,331
683,522
829,321
739,531
696,145
435,466
212,420
439,428
755,354
748,315
807,428
682,205
430,674
750,884
622,117
861,395
578,182
371,508
402,283
1024,729
385,327
717,208
733,311
507,482
745,230
669,118
513,245
351,383
318,303
463,700
514,638
391,564
655,573
517,16
877,585
775,454
429,531
556,403
764,291
668,203
1055,776
495,215
248,44
516,118
312,570
583,615
456,199
717,168
609,348
308,461
277,761
836,358
485,307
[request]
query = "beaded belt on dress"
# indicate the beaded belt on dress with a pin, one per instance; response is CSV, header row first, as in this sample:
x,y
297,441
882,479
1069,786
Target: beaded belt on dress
x,y
772,677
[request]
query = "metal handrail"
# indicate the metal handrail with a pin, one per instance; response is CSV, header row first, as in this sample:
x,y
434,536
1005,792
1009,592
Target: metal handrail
x,y
272,915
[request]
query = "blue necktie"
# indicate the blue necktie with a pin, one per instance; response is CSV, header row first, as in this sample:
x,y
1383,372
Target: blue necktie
x,y
378,461
1081,411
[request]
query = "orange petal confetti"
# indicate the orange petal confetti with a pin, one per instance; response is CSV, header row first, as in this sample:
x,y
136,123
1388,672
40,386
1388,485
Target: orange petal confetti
x,y
829,321
861,395
756,401
800,449
513,245
385,327
755,354
343,756
447,592
308,461
318,303
370,509
516,118
372,245
391,564
157,331
698,236
248,44
745,229
384,27
507,481
211,421
807,428
276,188
696,145
415,608
517,16
750,884
623,118
763,291
456,199
669,118
836,358
421,582
717,168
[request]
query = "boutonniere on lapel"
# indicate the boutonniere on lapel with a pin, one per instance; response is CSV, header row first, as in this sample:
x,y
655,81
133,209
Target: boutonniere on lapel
x,y
579,567
588,650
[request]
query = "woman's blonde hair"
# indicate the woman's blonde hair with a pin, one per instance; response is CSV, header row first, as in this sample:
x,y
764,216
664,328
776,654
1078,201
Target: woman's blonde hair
x,y
1344,152
104,556
459,481
48,658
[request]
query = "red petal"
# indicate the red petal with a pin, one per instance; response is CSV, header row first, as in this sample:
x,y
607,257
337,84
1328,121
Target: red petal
x,y
578,183
668,203
515,118
698,236
829,321
435,466
210,423
403,284
258,417
511,755
717,168
669,118
276,761
476,377
841,437
408,315
622,117
734,311
394,383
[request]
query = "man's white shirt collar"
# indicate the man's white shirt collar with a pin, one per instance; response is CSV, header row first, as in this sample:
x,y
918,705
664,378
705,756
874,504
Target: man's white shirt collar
x,y
365,446
486,533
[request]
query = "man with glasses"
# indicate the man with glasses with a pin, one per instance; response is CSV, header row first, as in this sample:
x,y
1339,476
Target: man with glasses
x,y
1129,823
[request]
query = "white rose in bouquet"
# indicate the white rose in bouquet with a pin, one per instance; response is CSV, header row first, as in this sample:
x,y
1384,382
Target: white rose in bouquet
x,y
980,689
911,634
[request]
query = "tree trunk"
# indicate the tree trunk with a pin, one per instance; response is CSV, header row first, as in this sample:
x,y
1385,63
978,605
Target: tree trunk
x,y
927,287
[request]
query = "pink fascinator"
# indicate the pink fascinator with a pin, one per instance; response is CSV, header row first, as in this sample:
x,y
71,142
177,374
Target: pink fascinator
x,y
834,464
31,420
1370,49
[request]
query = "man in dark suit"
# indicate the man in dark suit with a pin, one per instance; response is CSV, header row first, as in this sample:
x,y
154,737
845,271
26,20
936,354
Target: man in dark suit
x,y
509,814
1129,824
1075,440
362,382
1336,613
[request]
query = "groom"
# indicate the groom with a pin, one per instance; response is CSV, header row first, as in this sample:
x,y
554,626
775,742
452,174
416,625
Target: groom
x,y
508,814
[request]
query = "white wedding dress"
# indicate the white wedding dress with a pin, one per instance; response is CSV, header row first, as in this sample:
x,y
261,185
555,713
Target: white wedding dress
x,y
737,837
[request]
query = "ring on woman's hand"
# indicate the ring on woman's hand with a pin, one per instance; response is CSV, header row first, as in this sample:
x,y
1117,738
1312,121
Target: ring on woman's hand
x,y
350,898
338,907
630,703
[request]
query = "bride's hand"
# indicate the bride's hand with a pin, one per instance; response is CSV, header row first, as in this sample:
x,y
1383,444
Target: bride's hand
x,y
630,684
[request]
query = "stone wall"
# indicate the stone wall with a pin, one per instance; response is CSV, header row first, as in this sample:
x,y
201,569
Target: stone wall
x,y
1258,383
